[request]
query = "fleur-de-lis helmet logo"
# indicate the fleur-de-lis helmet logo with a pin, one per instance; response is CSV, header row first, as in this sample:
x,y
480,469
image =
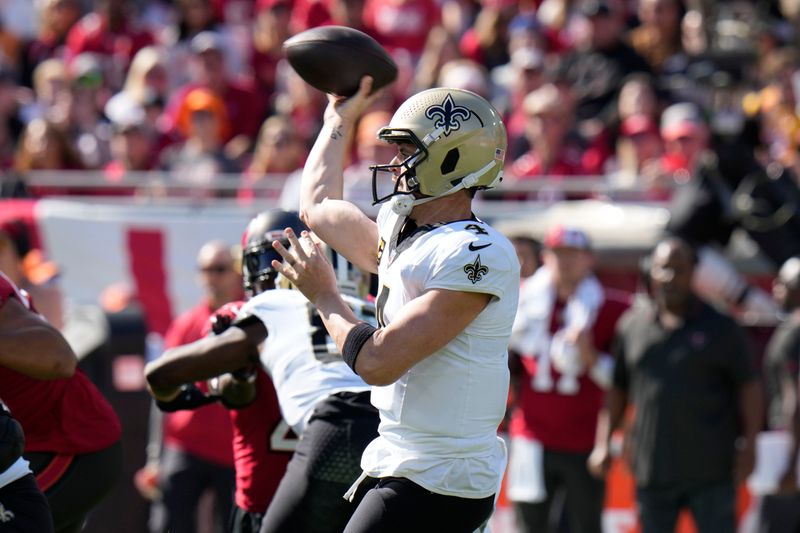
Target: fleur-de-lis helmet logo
x,y
448,115
475,270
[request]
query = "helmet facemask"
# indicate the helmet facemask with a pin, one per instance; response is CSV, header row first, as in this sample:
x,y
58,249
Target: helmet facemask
x,y
257,272
407,175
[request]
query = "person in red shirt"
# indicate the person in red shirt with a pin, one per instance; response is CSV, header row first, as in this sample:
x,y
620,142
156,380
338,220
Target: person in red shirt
x,y
561,369
550,115
262,441
243,105
110,32
72,435
196,453
402,24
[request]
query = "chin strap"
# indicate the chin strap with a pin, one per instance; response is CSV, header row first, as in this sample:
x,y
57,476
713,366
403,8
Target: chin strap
x,y
402,204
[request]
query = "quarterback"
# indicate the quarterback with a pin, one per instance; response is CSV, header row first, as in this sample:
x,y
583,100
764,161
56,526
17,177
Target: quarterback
x,y
448,295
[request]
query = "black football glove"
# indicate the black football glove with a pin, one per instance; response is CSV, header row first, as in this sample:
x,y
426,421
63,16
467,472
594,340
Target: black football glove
x,y
189,398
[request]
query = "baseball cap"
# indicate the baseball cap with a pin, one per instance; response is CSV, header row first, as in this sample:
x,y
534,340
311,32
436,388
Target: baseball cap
x,y
681,119
566,237
206,41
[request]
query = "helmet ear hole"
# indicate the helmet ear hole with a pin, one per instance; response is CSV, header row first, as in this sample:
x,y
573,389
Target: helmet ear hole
x,y
450,161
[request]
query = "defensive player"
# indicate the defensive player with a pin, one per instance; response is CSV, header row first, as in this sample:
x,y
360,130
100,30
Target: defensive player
x,y
320,398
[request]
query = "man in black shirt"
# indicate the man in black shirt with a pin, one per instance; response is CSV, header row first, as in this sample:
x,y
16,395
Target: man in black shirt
x,y
687,370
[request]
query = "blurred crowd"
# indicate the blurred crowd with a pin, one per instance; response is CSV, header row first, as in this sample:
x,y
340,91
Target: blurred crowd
x,y
632,91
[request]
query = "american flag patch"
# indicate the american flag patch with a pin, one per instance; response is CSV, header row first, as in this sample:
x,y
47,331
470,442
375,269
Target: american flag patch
x,y
499,154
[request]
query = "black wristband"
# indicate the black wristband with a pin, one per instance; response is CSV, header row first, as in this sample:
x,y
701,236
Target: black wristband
x,y
355,340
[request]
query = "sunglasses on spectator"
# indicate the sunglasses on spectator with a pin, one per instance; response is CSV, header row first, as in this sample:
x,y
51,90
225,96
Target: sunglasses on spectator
x,y
215,269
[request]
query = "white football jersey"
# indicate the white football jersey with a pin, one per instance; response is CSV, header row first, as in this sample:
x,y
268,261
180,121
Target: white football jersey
x,y
439,421
300,357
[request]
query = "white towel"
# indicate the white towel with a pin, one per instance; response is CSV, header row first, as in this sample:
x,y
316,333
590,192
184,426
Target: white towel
x,y
530,334
526,471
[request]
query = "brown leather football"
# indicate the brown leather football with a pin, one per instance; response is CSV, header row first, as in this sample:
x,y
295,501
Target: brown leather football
x,y
333,59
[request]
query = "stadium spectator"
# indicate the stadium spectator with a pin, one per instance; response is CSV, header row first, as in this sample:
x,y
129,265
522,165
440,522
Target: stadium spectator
x,y
201,160
271,27
44,146
524,74
88,130
279,152
72,435
440,48
242,104
51,93
601,60
657,38
486,41
688,372
56,18
434,463
686,138
148,76
324,403
550,113
561,367
133,139
10,116
112,32
401,24
196,455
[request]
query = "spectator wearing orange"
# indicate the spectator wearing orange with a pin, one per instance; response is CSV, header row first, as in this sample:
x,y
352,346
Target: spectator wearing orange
x,y
243,106
200,159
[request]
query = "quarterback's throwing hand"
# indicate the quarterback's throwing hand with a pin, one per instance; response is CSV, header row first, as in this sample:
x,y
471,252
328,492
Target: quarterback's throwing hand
x,y
305,265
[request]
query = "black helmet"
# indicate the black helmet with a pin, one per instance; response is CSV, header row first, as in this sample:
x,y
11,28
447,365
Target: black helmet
x,y
257,251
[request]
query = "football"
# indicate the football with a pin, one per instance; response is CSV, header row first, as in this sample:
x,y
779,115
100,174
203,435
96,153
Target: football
x,y
333,59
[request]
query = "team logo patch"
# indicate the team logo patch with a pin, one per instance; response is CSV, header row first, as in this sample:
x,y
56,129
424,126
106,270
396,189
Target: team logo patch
x,y
381,246
475,270
6,515
449,115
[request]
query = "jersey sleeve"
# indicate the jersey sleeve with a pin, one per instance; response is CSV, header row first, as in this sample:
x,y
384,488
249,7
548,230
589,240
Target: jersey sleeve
x,y
491,270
